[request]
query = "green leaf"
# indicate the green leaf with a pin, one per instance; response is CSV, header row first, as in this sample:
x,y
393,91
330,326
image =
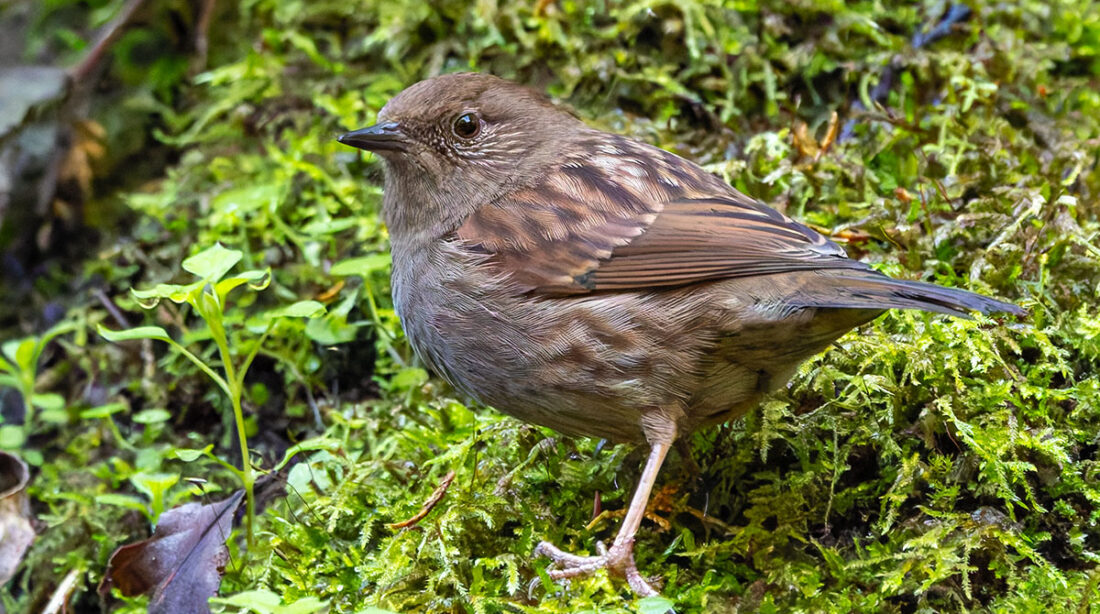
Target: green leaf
x,y
65,326
49,401
321,227
236,201
212,263
316,443
364,265
141,332
102,411
266,602
9,348
155,486
189,455
655,605
173,292
409,377
257,280
11,437
119,500
152,483
260,601
301,309
331,330
305,605
374,610
53,416
210,308
152,416
33,457
25,355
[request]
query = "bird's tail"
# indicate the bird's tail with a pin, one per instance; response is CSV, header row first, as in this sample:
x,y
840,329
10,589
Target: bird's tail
x,y
873,290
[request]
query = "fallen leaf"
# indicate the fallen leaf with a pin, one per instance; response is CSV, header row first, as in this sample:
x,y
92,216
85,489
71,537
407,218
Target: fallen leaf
x,y
25,88
331,294
87,150
803,141
830,136
16,531
182,563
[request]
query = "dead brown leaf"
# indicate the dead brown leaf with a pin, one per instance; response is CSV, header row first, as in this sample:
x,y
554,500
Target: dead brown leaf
x,y
16,530
182,563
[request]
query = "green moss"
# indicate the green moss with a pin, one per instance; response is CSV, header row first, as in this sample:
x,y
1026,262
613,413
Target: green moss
x,y
921,465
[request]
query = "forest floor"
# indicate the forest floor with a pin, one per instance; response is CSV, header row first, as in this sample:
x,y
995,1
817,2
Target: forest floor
x,y
922,464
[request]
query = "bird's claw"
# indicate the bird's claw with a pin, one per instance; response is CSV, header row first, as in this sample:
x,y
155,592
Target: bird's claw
x,y
618,560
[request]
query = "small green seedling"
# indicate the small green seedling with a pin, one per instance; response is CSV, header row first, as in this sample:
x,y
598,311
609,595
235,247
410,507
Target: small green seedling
x,y
207,296
19,369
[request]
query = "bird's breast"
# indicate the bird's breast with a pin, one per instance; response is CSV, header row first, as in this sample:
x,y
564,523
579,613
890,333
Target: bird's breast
x,y
582,364
435,296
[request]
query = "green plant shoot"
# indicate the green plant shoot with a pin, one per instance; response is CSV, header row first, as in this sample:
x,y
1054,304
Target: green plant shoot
x,y
207,296
19,370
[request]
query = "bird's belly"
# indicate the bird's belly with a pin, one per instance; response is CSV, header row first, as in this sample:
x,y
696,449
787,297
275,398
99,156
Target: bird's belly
x,y
583,365
595,364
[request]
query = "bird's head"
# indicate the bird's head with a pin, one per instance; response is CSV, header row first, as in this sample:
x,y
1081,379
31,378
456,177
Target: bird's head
x,y
458,141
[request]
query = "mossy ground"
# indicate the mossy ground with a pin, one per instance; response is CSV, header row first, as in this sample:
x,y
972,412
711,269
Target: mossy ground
x,y
922,465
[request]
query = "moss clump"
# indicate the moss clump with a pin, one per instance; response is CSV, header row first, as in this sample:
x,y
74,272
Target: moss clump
x,y
922,465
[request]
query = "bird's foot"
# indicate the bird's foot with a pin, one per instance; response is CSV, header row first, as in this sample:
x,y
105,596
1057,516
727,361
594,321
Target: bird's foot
x,y
618,560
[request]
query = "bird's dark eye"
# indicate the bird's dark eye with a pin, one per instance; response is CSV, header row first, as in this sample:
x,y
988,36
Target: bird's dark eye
x,y
466,126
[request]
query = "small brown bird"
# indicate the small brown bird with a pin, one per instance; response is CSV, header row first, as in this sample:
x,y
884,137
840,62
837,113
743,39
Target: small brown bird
x,y
600,286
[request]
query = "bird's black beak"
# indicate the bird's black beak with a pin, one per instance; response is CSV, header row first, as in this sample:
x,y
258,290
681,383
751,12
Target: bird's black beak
x,y
386,136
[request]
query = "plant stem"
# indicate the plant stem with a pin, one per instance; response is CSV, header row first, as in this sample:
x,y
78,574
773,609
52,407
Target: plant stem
x,y
26,389
235,388
246,463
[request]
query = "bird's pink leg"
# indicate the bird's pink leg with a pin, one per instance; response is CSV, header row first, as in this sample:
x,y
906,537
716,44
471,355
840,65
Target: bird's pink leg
x,y
619,559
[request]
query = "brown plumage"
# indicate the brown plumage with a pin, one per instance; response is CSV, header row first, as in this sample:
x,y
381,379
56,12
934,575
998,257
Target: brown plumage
x,y
598,285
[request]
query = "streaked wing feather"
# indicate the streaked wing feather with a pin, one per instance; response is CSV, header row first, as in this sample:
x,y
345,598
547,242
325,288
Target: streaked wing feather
x,y
632,217
695,240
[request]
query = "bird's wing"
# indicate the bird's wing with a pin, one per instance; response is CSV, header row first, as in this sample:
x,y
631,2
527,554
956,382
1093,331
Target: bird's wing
x,y
631,217
693,240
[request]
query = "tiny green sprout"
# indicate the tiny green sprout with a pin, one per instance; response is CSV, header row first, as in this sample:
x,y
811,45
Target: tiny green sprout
x,y
105,413
19,370
207,297
155,486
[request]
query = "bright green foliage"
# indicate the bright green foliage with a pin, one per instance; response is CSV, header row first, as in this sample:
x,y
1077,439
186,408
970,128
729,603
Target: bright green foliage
x,y
922,465
207,297
19,360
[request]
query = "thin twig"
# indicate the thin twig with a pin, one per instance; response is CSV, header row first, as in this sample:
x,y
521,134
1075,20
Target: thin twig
x,y
433,500
107,37
202,26
61,593
111,308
